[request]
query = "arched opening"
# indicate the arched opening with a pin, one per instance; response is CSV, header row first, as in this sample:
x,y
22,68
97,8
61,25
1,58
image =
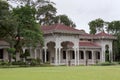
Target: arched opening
x,y
49,52
68,53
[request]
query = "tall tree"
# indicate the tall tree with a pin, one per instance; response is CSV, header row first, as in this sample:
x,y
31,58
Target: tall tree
x,y
114,28
7,26
7,22
64,19
46,14
28,32
18,27
96,25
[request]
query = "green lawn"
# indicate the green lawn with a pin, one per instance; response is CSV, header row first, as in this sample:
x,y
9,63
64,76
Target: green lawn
x,y
62,73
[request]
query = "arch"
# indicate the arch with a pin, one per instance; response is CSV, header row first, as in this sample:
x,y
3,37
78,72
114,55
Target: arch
x,y
50,44
67,44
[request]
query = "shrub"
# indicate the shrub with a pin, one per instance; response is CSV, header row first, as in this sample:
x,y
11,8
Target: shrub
x,y
107,64
33,62
19,63
4,63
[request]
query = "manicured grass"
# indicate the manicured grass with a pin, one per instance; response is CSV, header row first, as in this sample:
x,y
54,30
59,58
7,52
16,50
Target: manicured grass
x,y
62,73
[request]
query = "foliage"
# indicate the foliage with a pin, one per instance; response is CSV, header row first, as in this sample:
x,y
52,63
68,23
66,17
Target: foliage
x,y
7,23
28,31
96,26
46,14
25,54
11,50
114,28
19,63
33,62
107,64
64,19
4,63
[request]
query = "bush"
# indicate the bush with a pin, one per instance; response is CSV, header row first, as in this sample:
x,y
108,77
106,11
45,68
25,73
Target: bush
x,y
33,62
4,63
107,64
19,63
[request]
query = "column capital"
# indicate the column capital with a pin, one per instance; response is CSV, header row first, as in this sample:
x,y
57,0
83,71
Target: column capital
x,y
44,47
58,47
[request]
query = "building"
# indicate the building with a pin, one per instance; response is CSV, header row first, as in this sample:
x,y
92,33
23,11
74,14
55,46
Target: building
x,y
64,45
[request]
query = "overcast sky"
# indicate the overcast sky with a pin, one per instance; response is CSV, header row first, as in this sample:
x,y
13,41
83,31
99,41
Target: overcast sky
x,y
83,11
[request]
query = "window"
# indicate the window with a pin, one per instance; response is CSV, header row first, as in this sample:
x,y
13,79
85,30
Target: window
x,y
81,55
89,55
64,54
1,53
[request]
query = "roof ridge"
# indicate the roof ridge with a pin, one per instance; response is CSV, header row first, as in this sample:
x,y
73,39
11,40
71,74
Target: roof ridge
x,y
57,25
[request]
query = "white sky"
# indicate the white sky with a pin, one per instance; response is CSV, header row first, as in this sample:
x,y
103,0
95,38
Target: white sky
x,y
83,11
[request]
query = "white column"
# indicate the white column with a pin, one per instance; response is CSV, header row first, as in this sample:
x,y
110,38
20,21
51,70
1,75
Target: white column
x,y
59,55
31,54
35,53
111,55
40,54
84,52
56,56
6,55
17,56
93,57
75,57
66,57
23,50
103,56
78,56
45,50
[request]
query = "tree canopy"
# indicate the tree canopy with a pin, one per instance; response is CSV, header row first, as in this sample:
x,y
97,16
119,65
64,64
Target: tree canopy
x,y
46,12
19,28
64,19
96,25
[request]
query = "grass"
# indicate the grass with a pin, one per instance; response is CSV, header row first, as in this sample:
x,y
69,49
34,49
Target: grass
x,y
61,73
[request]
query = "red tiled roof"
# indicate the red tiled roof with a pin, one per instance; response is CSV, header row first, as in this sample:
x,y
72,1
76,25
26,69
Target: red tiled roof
x,y
88,44
59,28
103,34
86,34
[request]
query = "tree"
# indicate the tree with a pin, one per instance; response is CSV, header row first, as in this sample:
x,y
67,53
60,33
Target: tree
x,y
28,30
45,11
64,19
114,28
18,27
7,26
46,14
96,25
